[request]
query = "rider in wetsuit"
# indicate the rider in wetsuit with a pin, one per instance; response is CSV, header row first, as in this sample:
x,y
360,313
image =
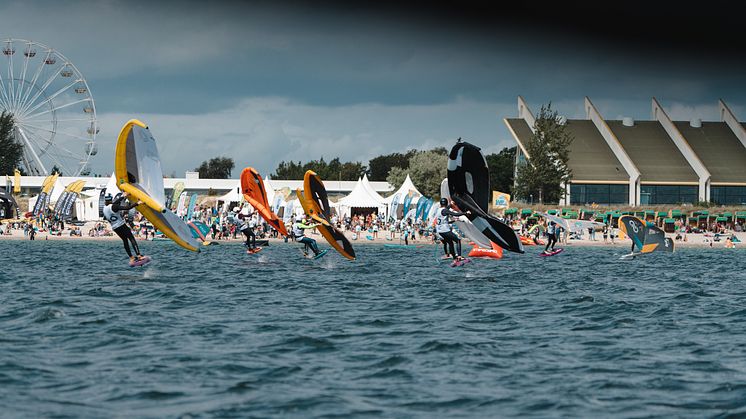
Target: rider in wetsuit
x,y
443,228
551,236
247,228
118,224
299,234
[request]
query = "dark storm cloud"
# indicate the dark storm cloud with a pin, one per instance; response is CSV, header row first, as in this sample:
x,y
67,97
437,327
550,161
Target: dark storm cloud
x,y
308,75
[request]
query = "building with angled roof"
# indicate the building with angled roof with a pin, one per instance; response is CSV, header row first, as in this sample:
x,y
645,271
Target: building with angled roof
x,y
653,162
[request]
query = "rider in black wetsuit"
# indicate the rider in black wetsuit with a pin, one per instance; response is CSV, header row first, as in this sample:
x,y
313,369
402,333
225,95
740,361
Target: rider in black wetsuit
x,y
551,237
112,215
443,229
247,228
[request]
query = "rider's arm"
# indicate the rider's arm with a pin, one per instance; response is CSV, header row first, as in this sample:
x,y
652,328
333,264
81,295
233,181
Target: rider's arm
x,y
116,206
451,213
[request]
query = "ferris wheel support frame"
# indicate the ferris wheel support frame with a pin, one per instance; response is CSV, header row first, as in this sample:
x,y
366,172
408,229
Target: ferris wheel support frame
x,y
37,160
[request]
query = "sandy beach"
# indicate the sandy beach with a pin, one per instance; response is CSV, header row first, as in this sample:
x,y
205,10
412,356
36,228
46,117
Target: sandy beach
x,y
692,240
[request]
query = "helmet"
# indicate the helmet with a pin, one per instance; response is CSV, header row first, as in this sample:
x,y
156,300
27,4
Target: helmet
x,y
443,201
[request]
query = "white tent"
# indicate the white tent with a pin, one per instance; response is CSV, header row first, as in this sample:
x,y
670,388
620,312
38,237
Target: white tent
x,y
111,186
233,195
269,190
405,189
86,206
369,188
359,198
56,191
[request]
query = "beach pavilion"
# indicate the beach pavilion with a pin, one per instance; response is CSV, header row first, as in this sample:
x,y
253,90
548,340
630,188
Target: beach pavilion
x,y
654,162
407,193
361,202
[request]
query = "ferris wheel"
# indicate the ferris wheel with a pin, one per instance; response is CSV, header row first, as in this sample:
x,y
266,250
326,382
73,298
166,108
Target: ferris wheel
x,y
53,110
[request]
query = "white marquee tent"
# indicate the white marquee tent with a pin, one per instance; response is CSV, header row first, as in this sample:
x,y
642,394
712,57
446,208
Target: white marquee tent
x,y
360,197
233,195
405,189
368,187
111,186
56,191
86,206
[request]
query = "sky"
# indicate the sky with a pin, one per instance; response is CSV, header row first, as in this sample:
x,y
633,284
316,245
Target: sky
x,y
263,81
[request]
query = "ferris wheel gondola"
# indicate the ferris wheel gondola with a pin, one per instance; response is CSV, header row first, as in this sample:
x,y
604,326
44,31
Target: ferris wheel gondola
x,y
52,107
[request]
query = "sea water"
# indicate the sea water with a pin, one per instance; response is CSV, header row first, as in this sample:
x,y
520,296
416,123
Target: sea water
x,y
394,334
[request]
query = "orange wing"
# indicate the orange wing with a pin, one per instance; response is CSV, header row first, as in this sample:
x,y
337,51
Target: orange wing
x,y
252,187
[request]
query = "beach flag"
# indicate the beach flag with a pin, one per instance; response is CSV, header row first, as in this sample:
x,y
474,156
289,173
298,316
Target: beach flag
x,y
500,200
17,181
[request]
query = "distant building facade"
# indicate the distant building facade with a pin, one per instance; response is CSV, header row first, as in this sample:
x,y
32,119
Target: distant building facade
x,y
655,162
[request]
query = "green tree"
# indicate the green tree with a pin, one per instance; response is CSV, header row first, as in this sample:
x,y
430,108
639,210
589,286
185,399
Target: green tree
x,y
440,150
288,170
352,170
502,169
397,175
216,168
11,152
426,169
334,170
379,167
548,152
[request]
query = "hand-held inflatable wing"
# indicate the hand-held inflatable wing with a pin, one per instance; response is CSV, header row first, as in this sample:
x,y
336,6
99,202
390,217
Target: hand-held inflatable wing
x,y
464,224
315,192
561,222
315,203
647,237
137,167
252,187
469,187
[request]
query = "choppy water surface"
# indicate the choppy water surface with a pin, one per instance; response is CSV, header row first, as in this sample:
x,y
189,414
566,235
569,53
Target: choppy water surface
x,y
394,334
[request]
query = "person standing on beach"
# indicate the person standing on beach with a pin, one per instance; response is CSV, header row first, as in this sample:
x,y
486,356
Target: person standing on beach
x,y
404,227
112,214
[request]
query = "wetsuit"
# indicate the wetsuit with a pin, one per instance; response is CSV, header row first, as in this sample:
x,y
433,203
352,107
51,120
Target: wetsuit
x,y
551,237
118,224
247,228
300,236
443,228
